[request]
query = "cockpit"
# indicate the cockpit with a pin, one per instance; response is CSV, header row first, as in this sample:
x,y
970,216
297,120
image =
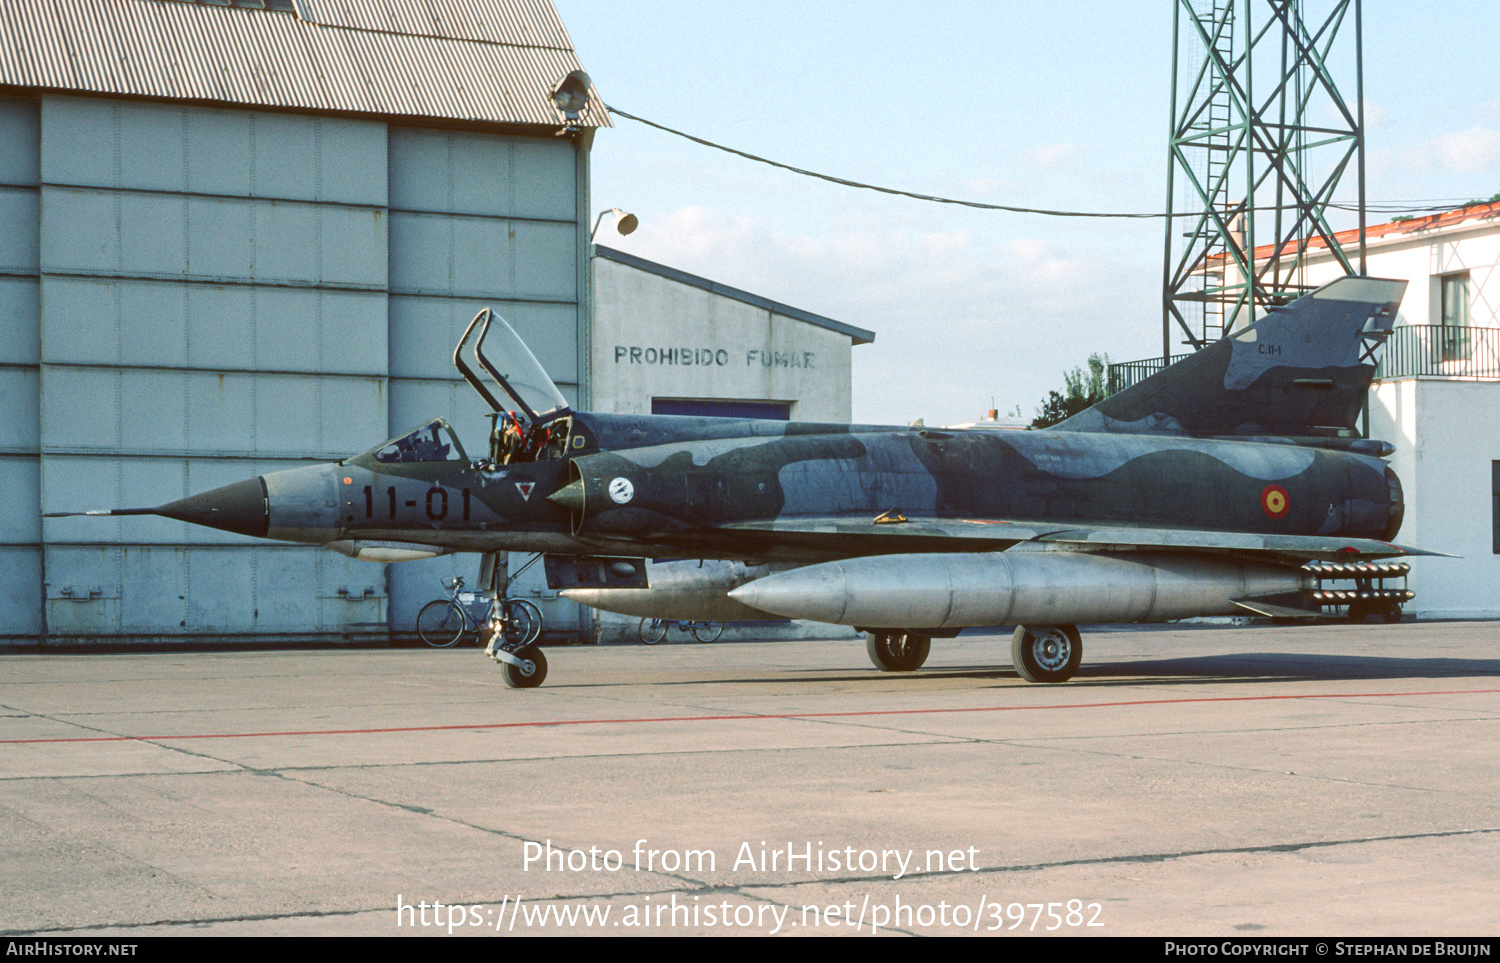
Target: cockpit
x,y
432,442
513,440
535,425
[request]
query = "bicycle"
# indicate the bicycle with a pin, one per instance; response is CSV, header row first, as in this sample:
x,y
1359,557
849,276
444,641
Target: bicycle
x,y
443,622
653,631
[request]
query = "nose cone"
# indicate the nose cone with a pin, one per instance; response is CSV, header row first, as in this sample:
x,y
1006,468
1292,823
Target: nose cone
x,y
241,508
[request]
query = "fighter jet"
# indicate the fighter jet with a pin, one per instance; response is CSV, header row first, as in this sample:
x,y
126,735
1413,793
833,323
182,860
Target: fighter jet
x,y
1232,482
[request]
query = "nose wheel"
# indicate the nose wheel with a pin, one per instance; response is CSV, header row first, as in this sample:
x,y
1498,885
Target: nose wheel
x,y
523,666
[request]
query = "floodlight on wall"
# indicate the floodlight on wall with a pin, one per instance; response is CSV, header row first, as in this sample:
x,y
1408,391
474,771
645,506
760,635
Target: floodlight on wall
x,y
571,95
624,223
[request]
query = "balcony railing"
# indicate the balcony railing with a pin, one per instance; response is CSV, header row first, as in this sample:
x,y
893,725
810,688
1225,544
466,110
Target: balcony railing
x,y
1433,350
1441,350
1127,373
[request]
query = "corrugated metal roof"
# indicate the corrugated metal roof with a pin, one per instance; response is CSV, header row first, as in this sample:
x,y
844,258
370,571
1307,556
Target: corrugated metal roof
x,y
490,61
525,23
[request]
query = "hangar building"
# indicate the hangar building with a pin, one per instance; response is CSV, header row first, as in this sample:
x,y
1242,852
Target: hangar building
x,y
245,238
242,237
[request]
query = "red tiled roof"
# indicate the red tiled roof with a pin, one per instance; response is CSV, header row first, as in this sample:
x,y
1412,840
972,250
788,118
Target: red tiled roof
x,y
1414,225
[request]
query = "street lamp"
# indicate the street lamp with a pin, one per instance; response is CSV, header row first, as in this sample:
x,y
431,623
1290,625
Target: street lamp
x,y
624,223
571,95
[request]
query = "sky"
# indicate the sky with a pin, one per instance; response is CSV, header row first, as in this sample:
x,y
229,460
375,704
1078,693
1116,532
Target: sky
x,y
1060,106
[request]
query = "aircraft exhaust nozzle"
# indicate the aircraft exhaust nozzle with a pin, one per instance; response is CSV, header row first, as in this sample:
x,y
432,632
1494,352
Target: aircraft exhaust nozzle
x,y
1010,588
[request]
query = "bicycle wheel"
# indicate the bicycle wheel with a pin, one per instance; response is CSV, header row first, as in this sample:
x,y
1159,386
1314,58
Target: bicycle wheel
x,y
653,631
520,613
707,631
441,623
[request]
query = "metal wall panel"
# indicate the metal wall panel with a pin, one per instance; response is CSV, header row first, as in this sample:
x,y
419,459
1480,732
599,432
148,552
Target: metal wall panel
x,y
465,256
20,127
243,327
225,592
20,351
19,403
208,238
467,173
20,306
19,248
20,591
190,339
428,328
88,409
20,523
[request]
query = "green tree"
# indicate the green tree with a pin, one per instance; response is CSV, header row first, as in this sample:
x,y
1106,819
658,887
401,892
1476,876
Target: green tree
x,y
1084,389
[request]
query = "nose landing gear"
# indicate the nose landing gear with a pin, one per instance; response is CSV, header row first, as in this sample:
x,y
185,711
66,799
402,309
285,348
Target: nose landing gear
x,y
525,666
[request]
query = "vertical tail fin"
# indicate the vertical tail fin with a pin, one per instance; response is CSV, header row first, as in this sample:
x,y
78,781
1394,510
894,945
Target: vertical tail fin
x,y
1303,369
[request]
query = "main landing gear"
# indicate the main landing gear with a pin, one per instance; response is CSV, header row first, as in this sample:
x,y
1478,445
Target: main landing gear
x,y
1046,653
1041,653
897,651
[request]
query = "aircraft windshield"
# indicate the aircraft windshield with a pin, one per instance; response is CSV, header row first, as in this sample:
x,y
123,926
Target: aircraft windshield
x,y
524,379
431,442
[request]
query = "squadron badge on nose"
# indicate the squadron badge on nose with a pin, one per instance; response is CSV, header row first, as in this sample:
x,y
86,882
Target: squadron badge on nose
x,y
621,491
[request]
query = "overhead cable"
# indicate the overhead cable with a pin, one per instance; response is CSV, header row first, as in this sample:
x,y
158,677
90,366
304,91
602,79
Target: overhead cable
x,y
1387,208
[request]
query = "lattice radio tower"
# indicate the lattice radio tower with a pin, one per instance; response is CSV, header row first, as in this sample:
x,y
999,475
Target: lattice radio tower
x,y
1261,138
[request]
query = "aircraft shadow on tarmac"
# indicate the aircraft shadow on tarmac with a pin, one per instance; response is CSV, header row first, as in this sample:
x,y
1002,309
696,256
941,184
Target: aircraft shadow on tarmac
x,y
1244,667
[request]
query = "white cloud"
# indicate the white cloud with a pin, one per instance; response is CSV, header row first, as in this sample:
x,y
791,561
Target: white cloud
x,y
1376,116
1054,158
959,317
1463,152
1472,151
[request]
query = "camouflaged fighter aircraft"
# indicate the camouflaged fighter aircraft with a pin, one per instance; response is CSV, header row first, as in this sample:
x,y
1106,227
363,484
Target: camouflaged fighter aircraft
x,y
1231,482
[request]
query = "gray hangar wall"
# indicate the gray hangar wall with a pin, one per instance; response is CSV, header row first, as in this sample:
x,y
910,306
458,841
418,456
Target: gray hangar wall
x,y
191,296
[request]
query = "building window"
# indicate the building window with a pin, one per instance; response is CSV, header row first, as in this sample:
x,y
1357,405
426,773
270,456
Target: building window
x,y
1495,495
769,410
1454,335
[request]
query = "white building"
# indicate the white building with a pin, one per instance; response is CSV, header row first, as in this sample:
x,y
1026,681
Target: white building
x,y
669,342
1437,397
666,342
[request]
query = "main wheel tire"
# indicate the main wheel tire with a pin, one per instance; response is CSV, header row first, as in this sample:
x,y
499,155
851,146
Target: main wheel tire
x,y
517,677
440,623
1046,653
653,631
523,612
708,631
897,651
1391,612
